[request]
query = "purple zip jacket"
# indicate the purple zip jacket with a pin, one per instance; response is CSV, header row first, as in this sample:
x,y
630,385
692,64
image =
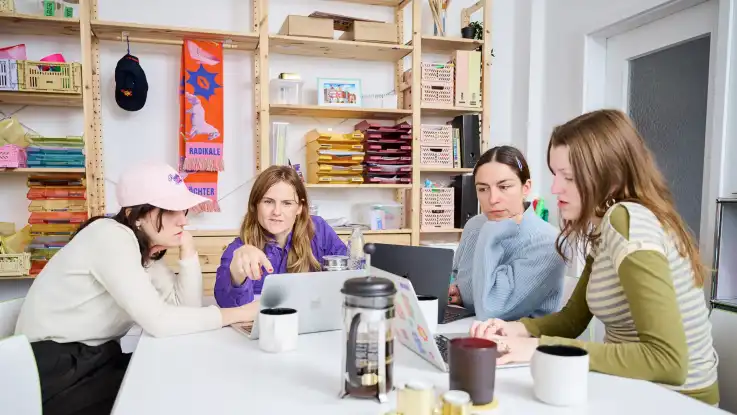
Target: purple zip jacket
x,y
325,242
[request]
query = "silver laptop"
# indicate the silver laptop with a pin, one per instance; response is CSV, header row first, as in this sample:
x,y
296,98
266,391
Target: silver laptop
x,y
315,295
412,330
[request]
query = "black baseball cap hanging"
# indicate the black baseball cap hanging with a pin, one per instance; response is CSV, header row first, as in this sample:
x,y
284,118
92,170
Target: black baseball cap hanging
x,y
131,86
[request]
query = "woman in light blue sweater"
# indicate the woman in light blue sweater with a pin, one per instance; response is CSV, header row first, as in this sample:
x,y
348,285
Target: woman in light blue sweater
x,y
506,264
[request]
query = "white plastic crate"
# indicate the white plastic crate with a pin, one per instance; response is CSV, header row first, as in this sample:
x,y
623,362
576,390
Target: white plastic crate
x,y
436,135
437,73
440,197
431,219
436,156
8,75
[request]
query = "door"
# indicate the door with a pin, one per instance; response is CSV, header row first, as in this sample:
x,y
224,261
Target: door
x,y
659,74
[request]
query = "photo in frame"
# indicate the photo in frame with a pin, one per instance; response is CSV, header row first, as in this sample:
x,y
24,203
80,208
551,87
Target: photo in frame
x,y
339,92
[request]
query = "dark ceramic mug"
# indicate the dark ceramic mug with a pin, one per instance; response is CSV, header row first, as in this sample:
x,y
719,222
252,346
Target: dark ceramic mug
x,y
472,367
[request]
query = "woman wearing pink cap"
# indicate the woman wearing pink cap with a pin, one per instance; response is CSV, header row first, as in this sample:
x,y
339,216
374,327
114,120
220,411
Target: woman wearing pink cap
x,y
110,277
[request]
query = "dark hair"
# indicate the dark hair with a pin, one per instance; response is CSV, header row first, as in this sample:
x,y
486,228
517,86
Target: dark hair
x,y
509,156
128,217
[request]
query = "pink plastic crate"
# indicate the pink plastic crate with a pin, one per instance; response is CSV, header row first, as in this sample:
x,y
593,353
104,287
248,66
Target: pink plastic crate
x,y
437,73
12,156
436,135
436,156
441,197
434,94
436,218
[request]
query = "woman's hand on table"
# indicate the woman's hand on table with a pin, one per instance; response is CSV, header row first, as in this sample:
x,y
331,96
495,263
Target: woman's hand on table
x,y
514,349
498,327
242,314
247,262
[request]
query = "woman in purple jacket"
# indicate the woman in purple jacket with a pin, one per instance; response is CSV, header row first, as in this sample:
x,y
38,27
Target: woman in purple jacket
x,y
278,236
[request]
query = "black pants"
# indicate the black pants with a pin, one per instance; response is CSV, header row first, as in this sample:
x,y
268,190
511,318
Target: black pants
x,y
77,379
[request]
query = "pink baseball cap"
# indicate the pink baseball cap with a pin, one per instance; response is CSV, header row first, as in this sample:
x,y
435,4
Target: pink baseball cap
x,y
156,184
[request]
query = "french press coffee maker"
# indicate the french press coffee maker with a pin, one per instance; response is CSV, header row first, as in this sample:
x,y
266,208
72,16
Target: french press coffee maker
x,y
368,356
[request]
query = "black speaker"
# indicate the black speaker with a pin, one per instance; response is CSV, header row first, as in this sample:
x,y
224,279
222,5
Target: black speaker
x,y
469,127
466,204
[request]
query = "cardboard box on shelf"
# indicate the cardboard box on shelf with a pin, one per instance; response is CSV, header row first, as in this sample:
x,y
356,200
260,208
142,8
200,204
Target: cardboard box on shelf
x,y
372,32
307,26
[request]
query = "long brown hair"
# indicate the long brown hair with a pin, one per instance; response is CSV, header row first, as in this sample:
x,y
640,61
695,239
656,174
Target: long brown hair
x,y
611,163
128,216
300,257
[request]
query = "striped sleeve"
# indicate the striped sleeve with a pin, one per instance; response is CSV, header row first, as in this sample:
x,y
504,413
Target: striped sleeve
x,y
656,351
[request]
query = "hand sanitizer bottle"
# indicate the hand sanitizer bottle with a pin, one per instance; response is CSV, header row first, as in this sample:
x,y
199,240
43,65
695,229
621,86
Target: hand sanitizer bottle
x,y
355,250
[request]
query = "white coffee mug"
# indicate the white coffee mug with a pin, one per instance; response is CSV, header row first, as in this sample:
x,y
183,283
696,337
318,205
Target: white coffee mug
x,y
429,307
560,375
278,329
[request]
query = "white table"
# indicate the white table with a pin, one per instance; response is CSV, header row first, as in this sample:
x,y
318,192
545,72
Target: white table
x,y
222,372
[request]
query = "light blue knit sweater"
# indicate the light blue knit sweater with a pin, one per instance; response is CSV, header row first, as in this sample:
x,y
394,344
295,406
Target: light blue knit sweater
x,y
507,270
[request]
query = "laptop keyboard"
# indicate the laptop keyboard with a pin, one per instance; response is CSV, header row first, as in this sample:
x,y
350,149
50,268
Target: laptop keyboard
x,y
443,343
455,313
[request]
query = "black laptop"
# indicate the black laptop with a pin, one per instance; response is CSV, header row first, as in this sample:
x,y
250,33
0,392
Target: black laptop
x,y
428,268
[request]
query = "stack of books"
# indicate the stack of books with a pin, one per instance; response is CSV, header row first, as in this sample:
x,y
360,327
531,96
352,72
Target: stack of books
x,y
58,206
388,153
57,152
334,158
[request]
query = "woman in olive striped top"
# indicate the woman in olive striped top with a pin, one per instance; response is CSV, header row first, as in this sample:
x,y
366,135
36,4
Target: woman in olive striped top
x,y
643,277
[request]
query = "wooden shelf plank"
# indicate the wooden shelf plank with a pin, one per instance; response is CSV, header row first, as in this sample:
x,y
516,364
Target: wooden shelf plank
x,y
448,44
47,99
388,3
171,34
339,49
318,111
424,231
381,232
40,170
431,169
28,24
18,277
357,186
447,111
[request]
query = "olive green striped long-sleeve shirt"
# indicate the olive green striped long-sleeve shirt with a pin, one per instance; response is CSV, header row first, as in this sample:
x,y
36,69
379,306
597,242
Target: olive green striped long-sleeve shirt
x,y
655,316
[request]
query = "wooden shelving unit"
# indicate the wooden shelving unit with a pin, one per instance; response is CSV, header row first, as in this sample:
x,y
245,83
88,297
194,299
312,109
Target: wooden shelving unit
x,y
318,111
171,35
24,24
447,111
357,186
338,49
438,44
256,39
40,170
364,51
40,99
452,170
428,231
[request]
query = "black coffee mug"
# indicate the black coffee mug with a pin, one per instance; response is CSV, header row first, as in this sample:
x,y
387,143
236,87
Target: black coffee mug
x,y
278,311
472,368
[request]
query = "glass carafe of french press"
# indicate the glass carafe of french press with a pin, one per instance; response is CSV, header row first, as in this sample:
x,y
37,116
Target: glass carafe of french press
x,y
368,356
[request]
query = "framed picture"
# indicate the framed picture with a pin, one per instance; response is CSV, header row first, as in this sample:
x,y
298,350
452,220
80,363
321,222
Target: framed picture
x,y
339,92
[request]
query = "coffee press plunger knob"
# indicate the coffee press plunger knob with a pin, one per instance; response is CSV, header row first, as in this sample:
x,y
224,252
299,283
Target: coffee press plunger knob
x,y
369,250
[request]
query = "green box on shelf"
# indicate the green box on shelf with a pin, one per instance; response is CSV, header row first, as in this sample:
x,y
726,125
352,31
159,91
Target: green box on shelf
x,y
49,8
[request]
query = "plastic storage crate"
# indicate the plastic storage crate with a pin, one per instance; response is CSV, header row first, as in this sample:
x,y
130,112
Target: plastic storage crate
x,y
436,135
60,78
15,265
436,156
7,6
12,156
438,197
431,218
8,74
437,73
435,94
